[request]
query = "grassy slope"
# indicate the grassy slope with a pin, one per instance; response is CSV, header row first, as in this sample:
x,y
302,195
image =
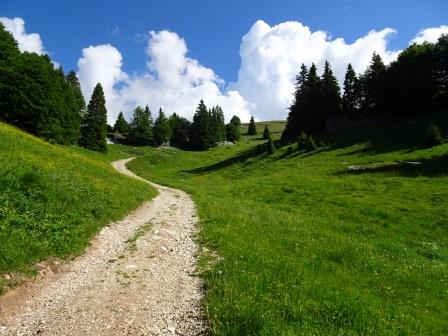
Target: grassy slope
x,y
311,249
54,198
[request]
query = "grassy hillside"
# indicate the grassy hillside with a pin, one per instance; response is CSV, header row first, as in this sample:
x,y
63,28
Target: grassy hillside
x,y
53,199
311,248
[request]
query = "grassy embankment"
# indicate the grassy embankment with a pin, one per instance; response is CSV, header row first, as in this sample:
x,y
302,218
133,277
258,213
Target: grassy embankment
x,y
53,199
310,248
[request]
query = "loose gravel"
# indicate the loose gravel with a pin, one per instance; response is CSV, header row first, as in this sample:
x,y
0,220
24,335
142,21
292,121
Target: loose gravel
x,y
120,286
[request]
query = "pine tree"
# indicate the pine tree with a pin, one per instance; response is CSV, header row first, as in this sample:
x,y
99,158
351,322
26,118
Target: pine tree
x,y
72,79
140,133
180,128
330,102
161,130
372,86
200,136
266,132
350,98
296,109
93,134
217,126
121,125
252,129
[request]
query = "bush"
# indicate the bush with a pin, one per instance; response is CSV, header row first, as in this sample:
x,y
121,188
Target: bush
x,y
434,137
232,132
271,146
266,133
306,142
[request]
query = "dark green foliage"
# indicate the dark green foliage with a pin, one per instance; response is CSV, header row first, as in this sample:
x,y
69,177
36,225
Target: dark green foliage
x,y
266,133
434,136
34,96
121,125
350,98
330,103
200,130
140,133
94,129
252,129
217,125
271,146
72,79
372,86
179,130
161,130
232,132
236,121
441,65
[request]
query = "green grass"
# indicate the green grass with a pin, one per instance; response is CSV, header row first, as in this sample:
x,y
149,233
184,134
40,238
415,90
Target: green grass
x,y
309,248
53,199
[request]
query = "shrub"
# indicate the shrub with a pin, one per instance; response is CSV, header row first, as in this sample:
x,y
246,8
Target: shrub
x,y
271,146
434,137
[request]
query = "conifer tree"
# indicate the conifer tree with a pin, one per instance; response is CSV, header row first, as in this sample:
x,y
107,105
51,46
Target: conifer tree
x,y
217,126
140,133
200,135
121,125
350,98
266,132
331,96
161,130
252,129
372,86
93,133
271,146
311,116
72,79
180,128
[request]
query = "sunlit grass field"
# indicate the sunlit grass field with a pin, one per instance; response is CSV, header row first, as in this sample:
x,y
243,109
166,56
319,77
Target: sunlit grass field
x,y
307,247
53,199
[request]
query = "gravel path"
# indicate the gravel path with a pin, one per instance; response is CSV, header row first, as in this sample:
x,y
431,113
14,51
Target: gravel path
x,y
135,279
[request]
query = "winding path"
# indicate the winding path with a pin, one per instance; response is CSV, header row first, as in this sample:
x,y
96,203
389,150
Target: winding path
x,y
135,279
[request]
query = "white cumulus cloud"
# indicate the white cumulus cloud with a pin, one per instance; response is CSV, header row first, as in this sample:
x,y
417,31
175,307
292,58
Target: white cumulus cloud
x,y
430,34
172,81
27,42
271,58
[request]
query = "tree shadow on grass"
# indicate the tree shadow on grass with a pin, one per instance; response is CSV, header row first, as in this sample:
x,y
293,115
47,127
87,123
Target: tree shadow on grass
x,y
241,157
433,167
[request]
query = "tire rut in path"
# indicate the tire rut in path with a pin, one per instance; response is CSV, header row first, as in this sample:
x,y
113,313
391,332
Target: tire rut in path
x,y
119,287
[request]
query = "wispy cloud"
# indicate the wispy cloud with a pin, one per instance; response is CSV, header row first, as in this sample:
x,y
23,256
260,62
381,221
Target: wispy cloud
x,y
342,9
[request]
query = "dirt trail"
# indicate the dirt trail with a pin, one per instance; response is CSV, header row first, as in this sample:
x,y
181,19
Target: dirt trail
x,y
121,285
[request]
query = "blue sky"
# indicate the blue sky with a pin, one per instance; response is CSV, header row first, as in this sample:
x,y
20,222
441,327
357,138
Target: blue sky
x,y
212,29
280,35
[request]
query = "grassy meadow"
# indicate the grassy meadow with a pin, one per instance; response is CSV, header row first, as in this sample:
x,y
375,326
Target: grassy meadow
x,y
53,199
307,247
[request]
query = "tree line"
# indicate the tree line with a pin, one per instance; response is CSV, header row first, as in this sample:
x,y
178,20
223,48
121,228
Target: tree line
x,y
416,83
205,131
43,101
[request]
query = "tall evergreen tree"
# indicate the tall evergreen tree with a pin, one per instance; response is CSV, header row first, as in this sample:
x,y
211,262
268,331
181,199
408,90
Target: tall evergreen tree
x,y
372,86
140,133
180,128
350,98
93,134
293,121
72,79
311,117
252,129
200,135
331,96
232,132
121,125
441,64
217,125
161,130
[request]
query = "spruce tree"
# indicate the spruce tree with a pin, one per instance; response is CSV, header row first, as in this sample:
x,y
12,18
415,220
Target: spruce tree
x,y
217,126
350,98
140,133
161,130
372,86
93,133
252,129
296,109
72,79
200,135
311,117
180,128
271,146
266,132
331,95
121,125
